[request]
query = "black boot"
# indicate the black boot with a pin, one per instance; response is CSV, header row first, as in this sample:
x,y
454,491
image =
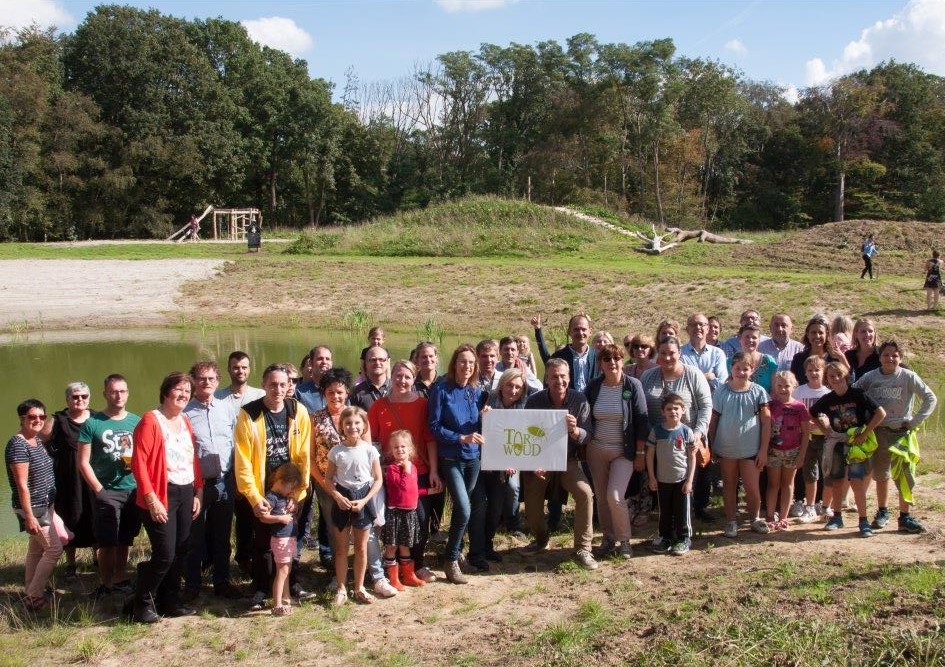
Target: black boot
x,y
144,611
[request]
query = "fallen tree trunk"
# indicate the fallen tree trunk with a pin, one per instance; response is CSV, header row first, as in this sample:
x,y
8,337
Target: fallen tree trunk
x,y
660,243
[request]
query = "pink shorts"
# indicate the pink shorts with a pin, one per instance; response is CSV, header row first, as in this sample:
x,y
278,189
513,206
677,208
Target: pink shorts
x,y
283,549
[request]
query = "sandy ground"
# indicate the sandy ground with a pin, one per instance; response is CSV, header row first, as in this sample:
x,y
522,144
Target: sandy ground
x,y
80,293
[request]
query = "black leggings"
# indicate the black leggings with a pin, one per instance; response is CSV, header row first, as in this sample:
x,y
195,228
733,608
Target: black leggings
x,y
159,578
867,266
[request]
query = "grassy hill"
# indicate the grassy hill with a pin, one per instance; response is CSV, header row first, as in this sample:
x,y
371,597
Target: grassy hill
x,y
471,227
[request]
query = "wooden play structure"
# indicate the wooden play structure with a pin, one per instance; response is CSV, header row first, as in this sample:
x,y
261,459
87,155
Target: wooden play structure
x,y
229,224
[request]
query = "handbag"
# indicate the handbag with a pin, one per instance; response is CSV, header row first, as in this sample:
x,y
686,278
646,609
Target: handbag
x,y
703,455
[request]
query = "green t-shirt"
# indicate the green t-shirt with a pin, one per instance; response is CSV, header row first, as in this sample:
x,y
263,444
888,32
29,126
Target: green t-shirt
x,y
107,438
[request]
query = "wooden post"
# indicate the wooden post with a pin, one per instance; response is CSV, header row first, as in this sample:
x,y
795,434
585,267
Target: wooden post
x,y
605,188
529,189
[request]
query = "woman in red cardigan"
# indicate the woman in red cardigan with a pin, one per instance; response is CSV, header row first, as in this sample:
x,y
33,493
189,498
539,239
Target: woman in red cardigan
x,y
167,470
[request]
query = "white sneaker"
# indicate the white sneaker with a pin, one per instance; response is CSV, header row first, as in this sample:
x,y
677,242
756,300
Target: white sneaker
x,y
383,589
585,559
797,509
809,515
731,529
760,526
828,514
425,575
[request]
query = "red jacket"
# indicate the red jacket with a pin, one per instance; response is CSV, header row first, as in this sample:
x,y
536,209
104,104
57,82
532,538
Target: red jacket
x,y
149,462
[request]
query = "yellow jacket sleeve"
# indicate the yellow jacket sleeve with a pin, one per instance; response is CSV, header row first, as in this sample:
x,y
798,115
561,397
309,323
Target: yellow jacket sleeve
x,y
245,464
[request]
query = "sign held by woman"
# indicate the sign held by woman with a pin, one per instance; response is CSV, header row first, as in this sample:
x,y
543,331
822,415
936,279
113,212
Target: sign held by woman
x,y
525,440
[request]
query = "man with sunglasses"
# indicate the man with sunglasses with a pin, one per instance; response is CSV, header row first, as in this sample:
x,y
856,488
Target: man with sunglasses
x,y
106,440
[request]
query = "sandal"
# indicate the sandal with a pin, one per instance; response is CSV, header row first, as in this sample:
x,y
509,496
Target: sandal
x,y
783,524
341,596
362,596
773,525
281,611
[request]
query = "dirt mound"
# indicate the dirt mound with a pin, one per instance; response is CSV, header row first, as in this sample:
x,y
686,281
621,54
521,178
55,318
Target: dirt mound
x,y
903,246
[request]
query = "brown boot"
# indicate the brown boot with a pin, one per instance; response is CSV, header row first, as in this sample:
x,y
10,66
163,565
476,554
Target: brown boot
x,y
390,569
407,576
453,573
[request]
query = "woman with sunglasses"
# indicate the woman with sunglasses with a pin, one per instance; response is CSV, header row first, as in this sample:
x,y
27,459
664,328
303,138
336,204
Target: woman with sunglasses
x,y
33,491
616,450
74,498
642,351
294,378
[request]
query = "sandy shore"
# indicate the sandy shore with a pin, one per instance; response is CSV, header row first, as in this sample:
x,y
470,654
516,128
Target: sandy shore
x,y
67,293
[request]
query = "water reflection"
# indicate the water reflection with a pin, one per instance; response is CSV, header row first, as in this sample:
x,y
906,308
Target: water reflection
x,y
41,365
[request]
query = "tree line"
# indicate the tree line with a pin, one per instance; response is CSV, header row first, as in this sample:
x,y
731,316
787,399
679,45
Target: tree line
x,y
137,119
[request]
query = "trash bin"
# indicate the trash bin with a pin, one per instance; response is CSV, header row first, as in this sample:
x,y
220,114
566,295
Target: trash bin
x,y
253,237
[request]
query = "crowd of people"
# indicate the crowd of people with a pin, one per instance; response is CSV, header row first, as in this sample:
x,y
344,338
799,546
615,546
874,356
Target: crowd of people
x,y
314,459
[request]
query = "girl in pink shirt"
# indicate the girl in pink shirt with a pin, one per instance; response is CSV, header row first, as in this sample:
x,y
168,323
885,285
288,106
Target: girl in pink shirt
x,y
402,529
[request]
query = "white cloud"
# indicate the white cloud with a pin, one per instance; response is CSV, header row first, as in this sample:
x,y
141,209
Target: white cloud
x,y
45,13
816,72
279,33
914,35
456,6
791,93
736,46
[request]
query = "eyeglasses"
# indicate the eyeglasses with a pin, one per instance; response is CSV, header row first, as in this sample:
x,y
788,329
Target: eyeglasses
x,y
79,397
207,378
34,417
294,380
377,360
639,346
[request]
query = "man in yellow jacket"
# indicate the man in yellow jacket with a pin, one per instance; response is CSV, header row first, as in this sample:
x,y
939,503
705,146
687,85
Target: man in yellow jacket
x,y
269,432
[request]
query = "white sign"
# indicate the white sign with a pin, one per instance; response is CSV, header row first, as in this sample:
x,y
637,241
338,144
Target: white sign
x,y
525,440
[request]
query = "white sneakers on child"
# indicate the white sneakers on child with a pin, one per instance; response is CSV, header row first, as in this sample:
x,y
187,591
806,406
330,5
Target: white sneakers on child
x,y
731,529
809,515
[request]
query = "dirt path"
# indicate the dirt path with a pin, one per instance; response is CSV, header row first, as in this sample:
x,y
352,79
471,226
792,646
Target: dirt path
x,y
80,293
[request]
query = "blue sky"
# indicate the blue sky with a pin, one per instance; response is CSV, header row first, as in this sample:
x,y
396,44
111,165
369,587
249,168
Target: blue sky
x,y
795,43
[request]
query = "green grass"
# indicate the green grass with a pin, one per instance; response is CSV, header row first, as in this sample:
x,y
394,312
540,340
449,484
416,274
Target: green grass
x,y
125,251
472,227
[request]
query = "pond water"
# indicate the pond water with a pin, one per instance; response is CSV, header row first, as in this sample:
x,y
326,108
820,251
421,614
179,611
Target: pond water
x,y
41,365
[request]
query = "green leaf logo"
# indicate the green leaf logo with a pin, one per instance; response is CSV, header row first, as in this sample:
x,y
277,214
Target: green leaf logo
x,y
536,431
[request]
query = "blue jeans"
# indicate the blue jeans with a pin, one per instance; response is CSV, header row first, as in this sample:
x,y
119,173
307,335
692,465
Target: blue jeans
x,y
210,533
460,476
488,501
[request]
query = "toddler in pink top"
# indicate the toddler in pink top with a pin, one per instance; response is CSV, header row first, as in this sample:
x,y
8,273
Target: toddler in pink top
x,y
402,528
790,436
